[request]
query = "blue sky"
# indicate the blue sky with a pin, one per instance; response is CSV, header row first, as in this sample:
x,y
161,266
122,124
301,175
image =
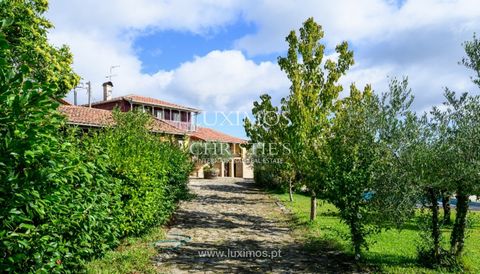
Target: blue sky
x,y
219,56
168,49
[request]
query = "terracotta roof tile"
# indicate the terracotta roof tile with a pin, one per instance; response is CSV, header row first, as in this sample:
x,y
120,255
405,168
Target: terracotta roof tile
x,y
208,134
146,100
95,117
87,116
161,126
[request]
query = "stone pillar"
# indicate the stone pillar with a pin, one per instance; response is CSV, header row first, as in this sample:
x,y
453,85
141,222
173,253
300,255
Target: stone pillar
x,y
222,169
232,169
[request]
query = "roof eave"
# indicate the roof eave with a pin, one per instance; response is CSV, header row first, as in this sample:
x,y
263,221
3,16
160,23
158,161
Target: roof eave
x,y
103,126
165,106
86,124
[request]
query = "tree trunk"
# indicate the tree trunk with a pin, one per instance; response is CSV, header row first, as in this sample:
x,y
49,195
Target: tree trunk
x,y
357,236
435,225
446,209
290,190
458,232
313,206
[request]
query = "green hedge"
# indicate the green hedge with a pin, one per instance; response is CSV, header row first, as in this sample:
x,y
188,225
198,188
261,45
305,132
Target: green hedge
x,y
153,173
67,197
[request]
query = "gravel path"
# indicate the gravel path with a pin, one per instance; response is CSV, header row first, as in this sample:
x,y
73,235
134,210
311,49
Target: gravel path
x,y
237,228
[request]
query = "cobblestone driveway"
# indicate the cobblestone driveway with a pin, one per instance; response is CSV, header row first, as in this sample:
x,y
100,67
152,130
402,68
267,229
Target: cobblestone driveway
x,y
232,216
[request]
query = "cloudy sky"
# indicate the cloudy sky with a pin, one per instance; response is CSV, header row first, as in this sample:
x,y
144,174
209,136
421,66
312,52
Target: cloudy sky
x,y
219,56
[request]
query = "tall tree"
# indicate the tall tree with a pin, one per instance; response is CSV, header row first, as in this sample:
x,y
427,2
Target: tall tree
x,y
24,29
310,104
353,150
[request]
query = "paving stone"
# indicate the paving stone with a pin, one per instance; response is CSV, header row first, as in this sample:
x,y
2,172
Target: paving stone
x,y
230,214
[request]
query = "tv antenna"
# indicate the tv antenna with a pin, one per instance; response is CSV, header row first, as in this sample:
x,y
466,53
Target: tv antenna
x,y
109,76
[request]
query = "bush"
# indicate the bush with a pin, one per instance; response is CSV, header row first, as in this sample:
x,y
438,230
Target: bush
x,y
57,204
267,176
153,173
210,172
66,199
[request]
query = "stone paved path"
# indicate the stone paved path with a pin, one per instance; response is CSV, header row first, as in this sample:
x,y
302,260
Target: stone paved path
x,y
231,215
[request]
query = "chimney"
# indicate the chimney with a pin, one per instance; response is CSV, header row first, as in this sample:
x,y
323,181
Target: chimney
x,y
107,90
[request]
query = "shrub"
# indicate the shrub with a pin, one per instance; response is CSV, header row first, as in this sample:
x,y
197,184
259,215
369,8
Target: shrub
x,y
64,197
210,172
57,202
266,176
153,173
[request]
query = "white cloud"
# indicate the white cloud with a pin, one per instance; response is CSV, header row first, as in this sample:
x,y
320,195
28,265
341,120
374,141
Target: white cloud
x,y
226,79
101,35
341,20
420,39
110,16
93,56
352,20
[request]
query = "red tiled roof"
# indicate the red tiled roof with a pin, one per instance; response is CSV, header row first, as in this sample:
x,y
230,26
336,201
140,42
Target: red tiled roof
x,y
146,100
208,134
95,117
87,116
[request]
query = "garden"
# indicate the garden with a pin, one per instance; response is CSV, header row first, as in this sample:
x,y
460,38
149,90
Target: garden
x,y
390,251
361,172
379,168
68,196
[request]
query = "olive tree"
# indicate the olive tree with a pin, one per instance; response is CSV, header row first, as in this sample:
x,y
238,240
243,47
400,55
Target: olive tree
x,y
459,130
396,130
460,142
353,153
426,170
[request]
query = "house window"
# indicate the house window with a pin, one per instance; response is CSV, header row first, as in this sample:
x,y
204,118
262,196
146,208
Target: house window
x,y
176,116
159,113
167,115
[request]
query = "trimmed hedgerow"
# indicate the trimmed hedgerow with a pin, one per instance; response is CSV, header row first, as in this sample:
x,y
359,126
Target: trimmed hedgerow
x,y
56,204
66,198
153,172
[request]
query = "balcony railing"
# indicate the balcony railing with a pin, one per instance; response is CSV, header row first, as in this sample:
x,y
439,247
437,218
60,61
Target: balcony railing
x,y
187,126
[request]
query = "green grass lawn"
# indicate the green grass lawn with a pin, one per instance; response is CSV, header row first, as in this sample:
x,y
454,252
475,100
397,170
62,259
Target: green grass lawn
x,y
391,251
133,255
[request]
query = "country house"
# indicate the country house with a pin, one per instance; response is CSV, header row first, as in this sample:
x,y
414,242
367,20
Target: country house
x,y
169,119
